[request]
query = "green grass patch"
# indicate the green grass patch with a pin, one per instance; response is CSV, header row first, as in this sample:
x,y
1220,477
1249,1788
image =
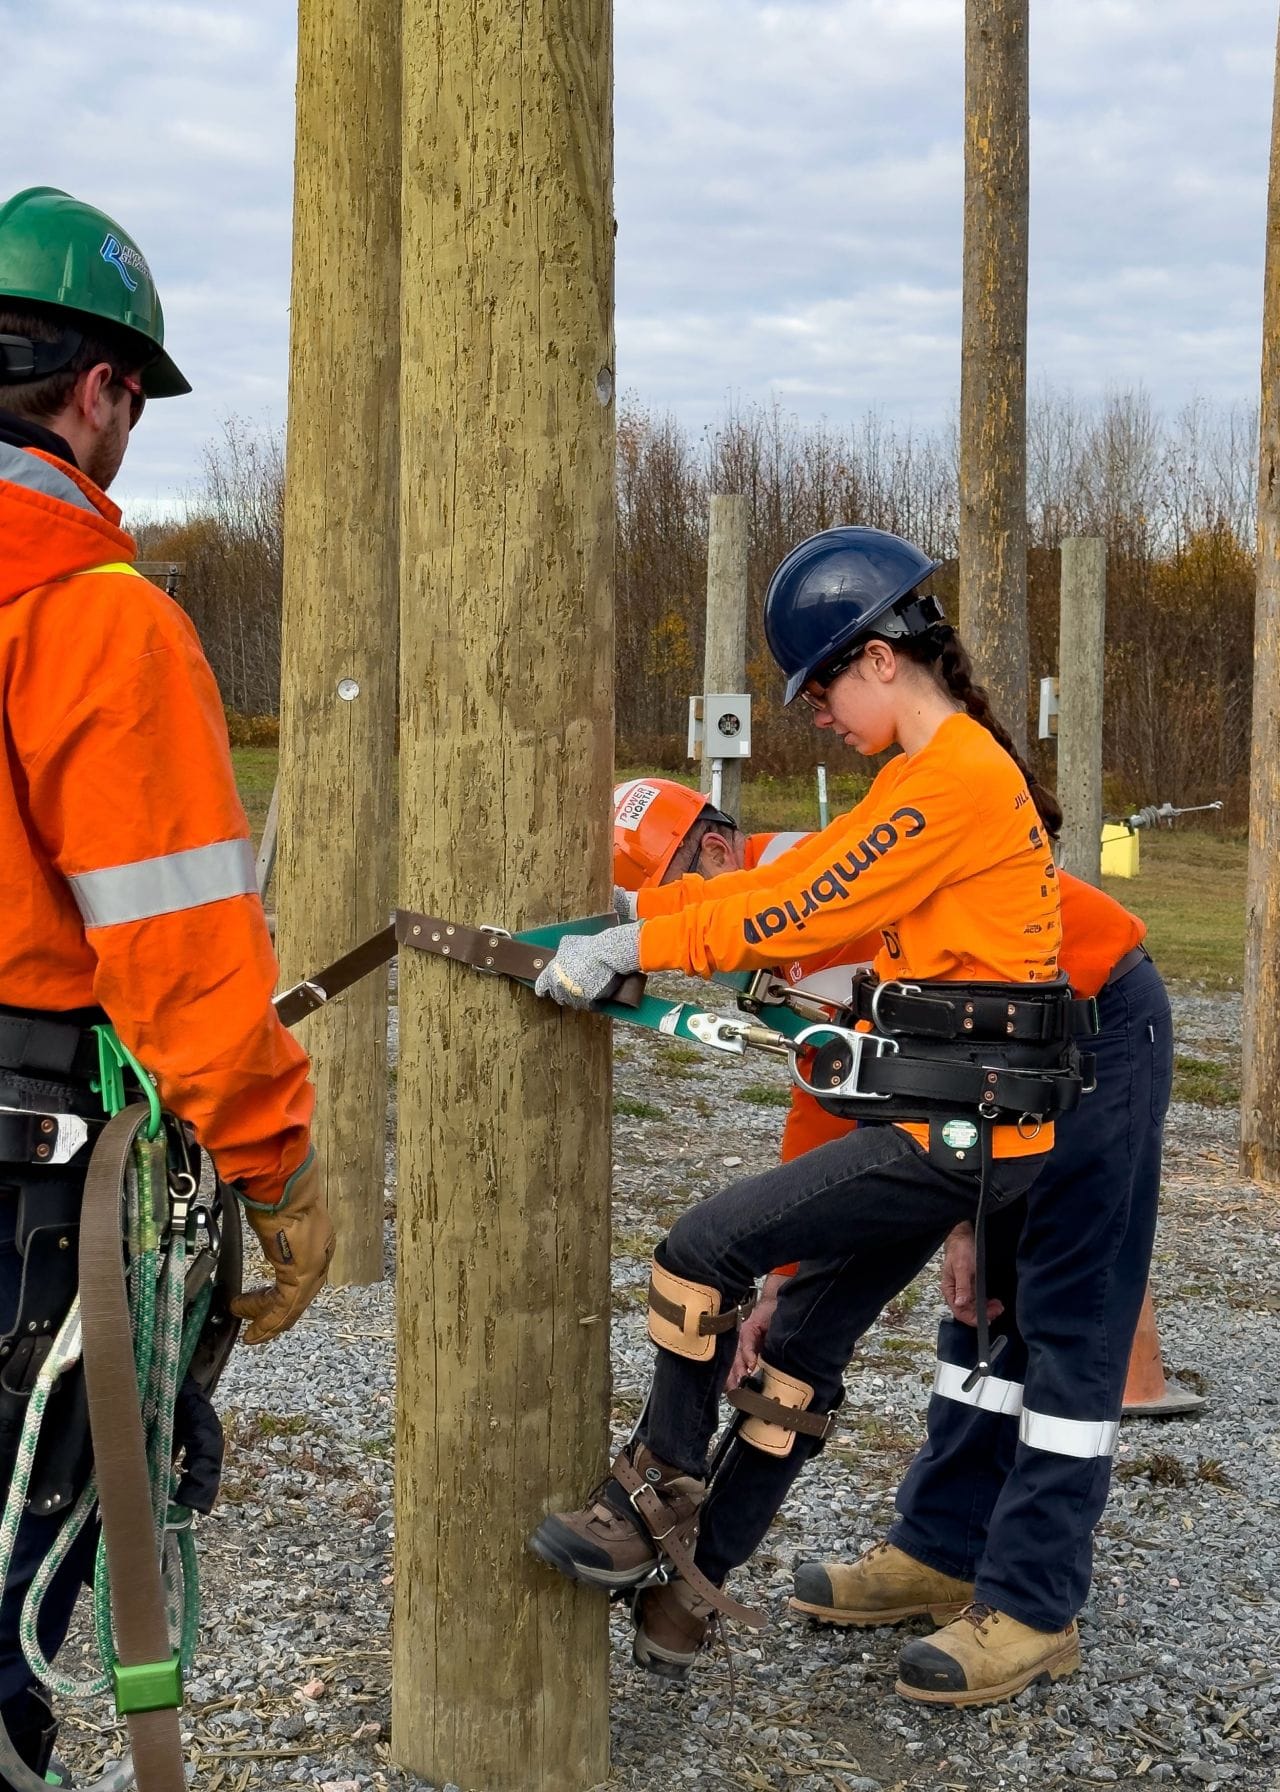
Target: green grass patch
x,y
1200,1080
765,1095
255,769
1190,892
625,1107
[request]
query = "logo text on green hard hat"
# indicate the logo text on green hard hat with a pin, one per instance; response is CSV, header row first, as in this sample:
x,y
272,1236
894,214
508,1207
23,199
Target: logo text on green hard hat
x,y
123,256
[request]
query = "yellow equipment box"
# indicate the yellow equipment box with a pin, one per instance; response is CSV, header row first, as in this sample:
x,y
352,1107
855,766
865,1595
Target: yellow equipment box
x,y
1119,851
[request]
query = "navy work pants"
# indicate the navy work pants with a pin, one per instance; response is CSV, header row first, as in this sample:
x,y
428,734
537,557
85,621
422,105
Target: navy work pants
x,y
1014,1476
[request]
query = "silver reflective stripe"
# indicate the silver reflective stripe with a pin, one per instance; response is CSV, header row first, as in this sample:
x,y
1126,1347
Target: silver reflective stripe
x,y
778,845
1068,1437
165,886
990,1394
36,475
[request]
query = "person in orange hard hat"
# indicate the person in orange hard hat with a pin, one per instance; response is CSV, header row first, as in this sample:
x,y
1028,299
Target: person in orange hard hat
x,y
998,1509
128,871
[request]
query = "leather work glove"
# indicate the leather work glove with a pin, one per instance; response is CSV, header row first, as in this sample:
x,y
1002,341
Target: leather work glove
x,y
625,903
297,1241
588,965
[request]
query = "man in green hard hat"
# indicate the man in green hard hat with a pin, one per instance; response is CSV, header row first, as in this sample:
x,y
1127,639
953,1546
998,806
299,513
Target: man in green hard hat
x,y
127,886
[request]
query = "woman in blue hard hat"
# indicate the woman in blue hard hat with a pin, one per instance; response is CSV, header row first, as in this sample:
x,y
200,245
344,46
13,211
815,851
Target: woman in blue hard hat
x,y
960,1061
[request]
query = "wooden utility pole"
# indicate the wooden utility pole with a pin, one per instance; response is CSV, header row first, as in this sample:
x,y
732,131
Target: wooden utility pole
x,y
993,359
725,658
1081,633
1260,1095
341,584
500,1675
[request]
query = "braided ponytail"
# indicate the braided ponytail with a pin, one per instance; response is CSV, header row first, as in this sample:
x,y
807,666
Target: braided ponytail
x,y
941,646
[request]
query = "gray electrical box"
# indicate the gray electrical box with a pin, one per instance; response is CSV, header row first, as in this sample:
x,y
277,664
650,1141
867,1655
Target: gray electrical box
x,y
720,726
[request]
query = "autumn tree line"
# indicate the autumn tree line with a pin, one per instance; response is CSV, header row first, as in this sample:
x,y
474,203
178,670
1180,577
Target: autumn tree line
x,y
1171,495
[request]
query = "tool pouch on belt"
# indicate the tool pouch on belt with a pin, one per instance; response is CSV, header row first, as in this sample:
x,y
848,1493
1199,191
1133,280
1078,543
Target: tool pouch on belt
x,y
46,1234
685,1317
777,1406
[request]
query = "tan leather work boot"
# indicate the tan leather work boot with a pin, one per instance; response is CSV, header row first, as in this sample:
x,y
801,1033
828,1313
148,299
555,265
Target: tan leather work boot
x,y
605,1542
671,1626
984,1656
885,1586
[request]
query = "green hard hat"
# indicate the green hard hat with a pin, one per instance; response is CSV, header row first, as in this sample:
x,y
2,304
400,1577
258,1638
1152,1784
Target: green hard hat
x,y
57,251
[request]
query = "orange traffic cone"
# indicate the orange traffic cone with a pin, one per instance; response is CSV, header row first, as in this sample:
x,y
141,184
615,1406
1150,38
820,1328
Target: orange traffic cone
x,y
1147,1395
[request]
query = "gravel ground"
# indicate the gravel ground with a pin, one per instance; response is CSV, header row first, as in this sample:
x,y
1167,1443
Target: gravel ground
x,y
1181,1634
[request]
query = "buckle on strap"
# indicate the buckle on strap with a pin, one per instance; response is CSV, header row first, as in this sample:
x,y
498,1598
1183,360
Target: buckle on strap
x,y
893,988
859,1044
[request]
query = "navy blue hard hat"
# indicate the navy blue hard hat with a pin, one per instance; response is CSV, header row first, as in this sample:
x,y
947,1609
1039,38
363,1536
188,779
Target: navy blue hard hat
x,y
833,587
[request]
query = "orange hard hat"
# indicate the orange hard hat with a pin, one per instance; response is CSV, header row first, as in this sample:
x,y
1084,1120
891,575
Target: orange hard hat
x,y
651,816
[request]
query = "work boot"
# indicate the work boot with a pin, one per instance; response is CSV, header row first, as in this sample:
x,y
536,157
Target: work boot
x,y
606,1543
671,1626
885,1586
984,1656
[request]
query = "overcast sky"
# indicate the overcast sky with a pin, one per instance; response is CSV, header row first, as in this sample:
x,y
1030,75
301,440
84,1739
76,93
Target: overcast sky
x,y
789,196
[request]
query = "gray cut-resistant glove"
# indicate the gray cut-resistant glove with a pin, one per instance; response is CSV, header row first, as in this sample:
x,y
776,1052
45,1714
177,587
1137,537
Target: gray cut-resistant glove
x,y
587,965
625,906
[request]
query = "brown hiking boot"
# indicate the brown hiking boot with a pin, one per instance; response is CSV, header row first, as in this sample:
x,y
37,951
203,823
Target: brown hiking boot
x,y
885,1586
672,1622
984,1656
606,1543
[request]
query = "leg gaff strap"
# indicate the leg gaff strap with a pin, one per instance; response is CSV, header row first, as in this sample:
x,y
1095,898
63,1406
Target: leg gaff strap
x,y
685,1317
647,1504
777,1411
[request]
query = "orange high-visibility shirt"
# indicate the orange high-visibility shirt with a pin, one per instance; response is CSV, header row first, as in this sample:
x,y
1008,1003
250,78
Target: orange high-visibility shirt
x,y
128,871
945,858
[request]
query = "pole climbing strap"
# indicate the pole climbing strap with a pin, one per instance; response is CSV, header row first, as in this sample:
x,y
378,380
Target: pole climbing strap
x,y
505,955
148,1683
292,1005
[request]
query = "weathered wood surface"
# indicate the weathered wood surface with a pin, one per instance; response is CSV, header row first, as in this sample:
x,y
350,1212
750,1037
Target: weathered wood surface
x,y
507,537
993,361
1082,619
1260,1093
725,655
337,770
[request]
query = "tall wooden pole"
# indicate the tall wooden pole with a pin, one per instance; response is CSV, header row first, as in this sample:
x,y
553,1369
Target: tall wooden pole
x,y
725,658
993,364
1260,1095
1081,634
337,699
507,538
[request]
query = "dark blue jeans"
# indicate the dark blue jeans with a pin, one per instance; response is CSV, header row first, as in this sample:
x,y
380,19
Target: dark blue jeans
x,y
863,1215
1014,1476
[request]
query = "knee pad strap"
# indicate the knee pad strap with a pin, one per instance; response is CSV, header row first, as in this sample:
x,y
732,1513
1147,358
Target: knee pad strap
x,y
778,1411
685,1317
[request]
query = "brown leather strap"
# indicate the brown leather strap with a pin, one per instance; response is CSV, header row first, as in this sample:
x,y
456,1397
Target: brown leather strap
x,y
496,951
304,998
791,1418
120,1451
674,1313
647,1504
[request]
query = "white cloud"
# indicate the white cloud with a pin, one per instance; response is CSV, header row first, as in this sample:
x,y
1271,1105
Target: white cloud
x,y
789,194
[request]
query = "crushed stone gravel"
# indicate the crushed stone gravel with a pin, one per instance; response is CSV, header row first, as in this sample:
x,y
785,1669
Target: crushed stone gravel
x,y
1181,1678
